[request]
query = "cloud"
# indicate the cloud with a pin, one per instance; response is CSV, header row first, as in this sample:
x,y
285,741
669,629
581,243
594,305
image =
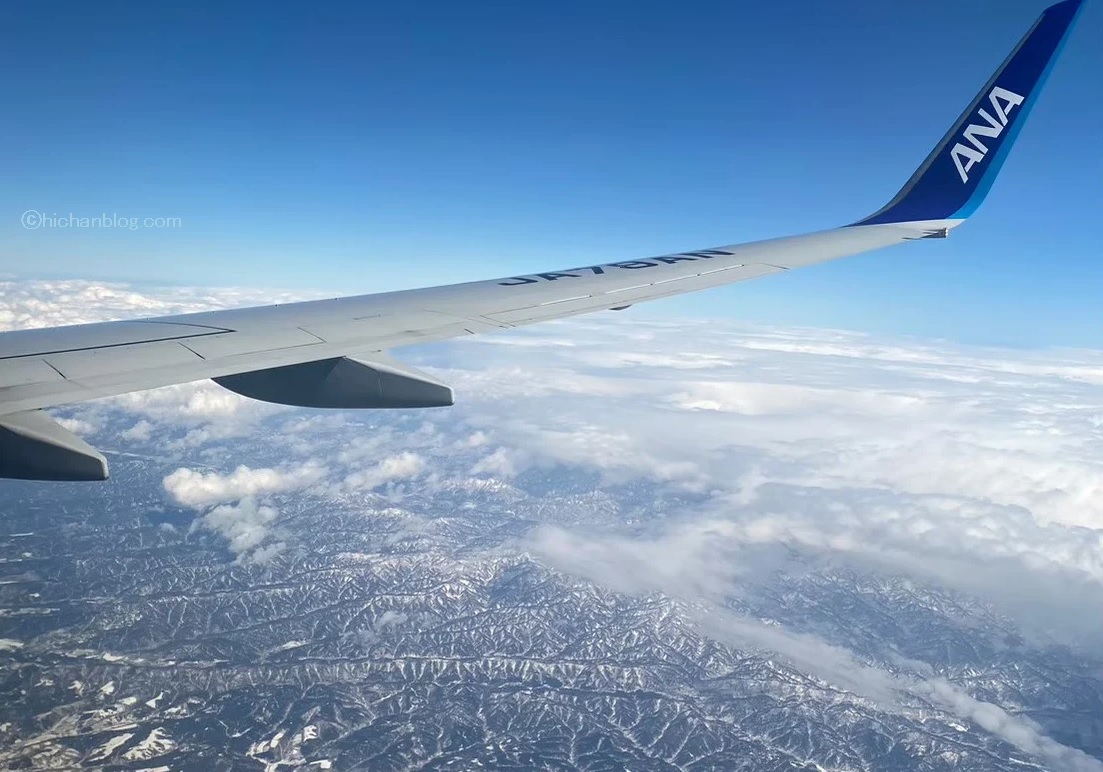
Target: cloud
x,y
78,425
757,399
186,416
139,432
1021,732
245,526
844,411
266,553
27,304
697,565
972,452
498,463
233,510
198,489
400,466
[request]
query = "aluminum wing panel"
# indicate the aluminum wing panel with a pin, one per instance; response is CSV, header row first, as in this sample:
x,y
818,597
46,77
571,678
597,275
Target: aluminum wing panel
x,y
89,361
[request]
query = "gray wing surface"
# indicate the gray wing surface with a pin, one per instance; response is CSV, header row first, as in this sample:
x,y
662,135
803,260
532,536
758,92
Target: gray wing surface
x,y
332,353
46,367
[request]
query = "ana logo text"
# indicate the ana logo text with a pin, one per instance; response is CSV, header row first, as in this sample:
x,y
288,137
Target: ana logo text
x,y
967,155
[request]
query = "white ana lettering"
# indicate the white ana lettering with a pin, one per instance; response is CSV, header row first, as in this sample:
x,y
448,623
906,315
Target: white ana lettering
x,y
966,157
993,129
970,155
1002,101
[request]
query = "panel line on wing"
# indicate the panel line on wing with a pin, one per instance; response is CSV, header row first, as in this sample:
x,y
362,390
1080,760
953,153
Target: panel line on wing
x,y
103,346
672,280
718,270
625,289
182,324
566,300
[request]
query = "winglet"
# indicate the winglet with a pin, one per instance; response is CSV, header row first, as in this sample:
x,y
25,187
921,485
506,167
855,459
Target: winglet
x,y
956,177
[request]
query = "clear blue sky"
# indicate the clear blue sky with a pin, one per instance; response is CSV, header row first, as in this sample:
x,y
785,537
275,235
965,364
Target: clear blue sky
x,y
367,146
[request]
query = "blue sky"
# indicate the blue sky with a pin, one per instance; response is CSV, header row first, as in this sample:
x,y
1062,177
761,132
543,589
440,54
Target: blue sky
x,y
362,147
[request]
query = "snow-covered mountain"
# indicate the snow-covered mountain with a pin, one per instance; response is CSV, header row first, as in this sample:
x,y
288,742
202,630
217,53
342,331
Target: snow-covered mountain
x,y
419,626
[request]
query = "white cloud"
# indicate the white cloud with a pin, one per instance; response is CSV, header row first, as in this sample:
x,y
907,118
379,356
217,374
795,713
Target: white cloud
x,y
845,410
973,468
233,509
700,564
27,304
245,525
476,440
196,489
78,425
203,411
139,432
499,463
1021,732
401,466
756,399
266,553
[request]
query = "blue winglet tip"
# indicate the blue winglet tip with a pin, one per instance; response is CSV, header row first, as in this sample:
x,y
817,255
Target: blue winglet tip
x,y
1067,9
1073,4
956,176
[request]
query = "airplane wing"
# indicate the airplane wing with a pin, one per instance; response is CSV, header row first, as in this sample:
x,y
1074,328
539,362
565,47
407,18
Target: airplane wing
x,y
330,353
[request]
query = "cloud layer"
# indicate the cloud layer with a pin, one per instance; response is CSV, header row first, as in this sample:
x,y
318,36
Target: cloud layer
x,y
967,468
920,455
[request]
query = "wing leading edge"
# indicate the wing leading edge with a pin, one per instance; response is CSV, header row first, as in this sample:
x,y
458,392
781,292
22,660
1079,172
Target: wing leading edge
x,y
330,353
